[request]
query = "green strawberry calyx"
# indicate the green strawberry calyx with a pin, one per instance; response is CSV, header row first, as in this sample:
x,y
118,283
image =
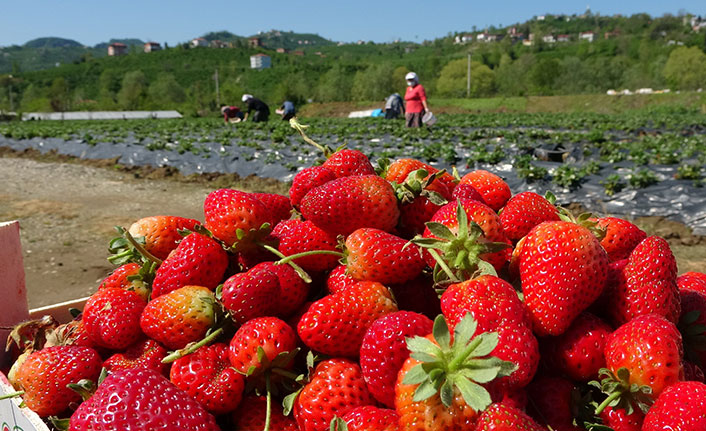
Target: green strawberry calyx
x,y
458,255
461,362
621,393
416,184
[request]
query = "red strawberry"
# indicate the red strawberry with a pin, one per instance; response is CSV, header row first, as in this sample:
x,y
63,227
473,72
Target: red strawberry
x,y
335,387
179,317
495,307
348,203
270,334
399,170
111,317
650,348
251,294
308,179
438,385
501,417
127,277
198,260
298,237
680,407
251,413
375,255
335,324
338,279
494,189
648,284
467,191
234,217
578,352
563,269
621,237
345,163
206,375
523,212
278,205
371,418
384,350
692,280
491,232
161,233
550,402
619,420
146,353
292,289
492,302
161,405
43,377
692,326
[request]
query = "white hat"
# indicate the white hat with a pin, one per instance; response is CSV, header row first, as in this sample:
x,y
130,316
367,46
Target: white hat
x,y
246,97
411,76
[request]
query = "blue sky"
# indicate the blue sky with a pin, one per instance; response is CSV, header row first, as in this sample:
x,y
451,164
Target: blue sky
x,y
94,21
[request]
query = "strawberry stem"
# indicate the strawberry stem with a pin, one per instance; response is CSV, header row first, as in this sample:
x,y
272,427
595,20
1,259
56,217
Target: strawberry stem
x,y
458,360
11,395
294,122
290,258
143,251
192,347
443,265
300,271
607,401
268,414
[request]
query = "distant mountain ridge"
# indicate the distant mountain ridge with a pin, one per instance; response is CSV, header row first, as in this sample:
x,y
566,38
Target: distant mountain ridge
x,y
47,52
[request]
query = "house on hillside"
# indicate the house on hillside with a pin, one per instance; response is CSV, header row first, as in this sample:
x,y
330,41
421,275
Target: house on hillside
x,y
463,38
563,38
549,38
116,49
298,53
611,34
152,46
254,42
218,44
199,41
587,35
281,50
487,37
260,61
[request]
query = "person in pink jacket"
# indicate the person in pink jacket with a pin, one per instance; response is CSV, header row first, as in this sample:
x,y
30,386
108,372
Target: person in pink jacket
x,y
416,100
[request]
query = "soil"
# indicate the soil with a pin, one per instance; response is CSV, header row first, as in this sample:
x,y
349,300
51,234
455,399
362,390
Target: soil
x,y
68,208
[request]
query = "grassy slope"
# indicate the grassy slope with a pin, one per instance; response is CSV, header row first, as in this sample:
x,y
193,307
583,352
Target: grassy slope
x,y
597,103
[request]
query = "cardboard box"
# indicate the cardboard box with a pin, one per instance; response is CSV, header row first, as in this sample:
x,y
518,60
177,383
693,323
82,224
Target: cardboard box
x,y
13,310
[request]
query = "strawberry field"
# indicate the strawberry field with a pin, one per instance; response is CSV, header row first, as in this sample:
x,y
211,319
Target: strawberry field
x,y
627,164
406,297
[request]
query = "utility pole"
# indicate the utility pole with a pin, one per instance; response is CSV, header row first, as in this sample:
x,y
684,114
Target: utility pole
x,y
468,82
12,105
218,93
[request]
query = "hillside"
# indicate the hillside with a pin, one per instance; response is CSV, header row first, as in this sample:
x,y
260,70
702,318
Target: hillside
x,y
546,55
52,42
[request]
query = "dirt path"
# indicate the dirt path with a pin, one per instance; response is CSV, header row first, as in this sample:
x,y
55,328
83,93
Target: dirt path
x,y
67,212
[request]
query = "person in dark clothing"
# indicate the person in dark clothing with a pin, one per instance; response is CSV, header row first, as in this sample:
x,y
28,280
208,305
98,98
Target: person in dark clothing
x,y
232,114
394,106
262,111
287,110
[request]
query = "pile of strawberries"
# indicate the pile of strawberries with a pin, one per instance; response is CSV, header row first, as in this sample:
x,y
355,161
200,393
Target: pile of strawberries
x,y
398,299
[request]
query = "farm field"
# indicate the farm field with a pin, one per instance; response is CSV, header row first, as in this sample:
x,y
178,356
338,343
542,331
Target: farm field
x,y
646,163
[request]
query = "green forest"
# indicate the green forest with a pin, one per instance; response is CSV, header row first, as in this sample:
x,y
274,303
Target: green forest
x,y
626,52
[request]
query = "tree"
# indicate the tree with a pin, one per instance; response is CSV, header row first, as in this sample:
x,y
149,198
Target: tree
x,y
59,95
334,85
542,76
453,79
374,82
686,68
166,91
132,91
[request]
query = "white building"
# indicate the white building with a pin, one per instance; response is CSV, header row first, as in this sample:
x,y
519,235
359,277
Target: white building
x,y
199,41
260,61
587,35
